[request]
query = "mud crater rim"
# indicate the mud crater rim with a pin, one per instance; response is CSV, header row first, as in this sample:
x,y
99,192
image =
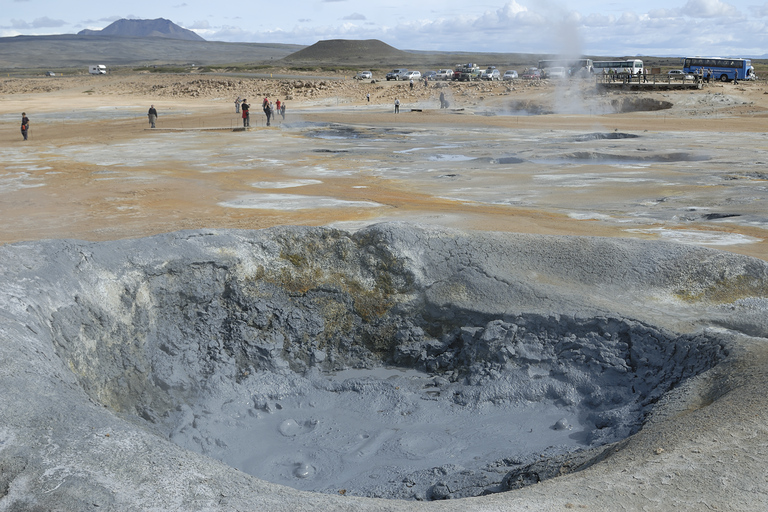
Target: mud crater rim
x,y
220,363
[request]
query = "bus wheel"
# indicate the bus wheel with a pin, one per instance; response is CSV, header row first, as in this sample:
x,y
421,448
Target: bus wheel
x,y
723,77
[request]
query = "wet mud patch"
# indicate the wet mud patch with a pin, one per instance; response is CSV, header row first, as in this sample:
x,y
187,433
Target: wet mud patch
x,y
340,131
716,216
605,136
502,160
599,157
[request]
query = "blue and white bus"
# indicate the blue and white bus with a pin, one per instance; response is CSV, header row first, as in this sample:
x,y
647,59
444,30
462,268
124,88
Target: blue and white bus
x,y
620,67
721,69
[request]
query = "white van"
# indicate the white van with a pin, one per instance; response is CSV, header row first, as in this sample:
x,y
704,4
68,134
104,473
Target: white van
x,y
97,69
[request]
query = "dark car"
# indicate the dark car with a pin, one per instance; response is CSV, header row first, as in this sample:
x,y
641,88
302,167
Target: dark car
x,y
532,74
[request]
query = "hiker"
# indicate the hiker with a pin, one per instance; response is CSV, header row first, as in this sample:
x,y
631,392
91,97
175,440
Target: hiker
x,y
246,115
152,115
397,106
268,110
24,125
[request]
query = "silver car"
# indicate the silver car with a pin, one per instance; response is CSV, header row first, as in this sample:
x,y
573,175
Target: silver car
x,y
510,74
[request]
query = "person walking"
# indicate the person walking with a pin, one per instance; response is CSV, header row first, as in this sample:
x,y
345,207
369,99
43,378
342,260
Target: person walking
x,y
368,97
24,125
277,106
282,111
397,106
268,111
411,83
237,105
442,99
245,107
152,115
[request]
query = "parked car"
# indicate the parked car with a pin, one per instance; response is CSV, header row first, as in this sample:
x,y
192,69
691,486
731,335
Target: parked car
x,y
411,75
679,74
430,75
510,74
50,73
364,75
396,74
444,74
467,72
556,72
491,74
532,74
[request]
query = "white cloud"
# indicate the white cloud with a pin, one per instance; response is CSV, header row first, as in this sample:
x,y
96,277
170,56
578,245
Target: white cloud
x,y
664,13
43,22
199,25
709,9
355,16
760,11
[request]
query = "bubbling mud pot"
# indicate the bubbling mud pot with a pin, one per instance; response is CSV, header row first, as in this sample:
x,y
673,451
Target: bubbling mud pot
x,y
398,362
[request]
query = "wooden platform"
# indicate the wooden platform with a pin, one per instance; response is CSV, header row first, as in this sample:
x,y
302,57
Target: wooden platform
x,y
648,82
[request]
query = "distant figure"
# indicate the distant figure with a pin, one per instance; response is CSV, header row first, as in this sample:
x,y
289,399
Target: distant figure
x,y
368,97
265,102
24,125
277,105
442,99
735,76
645,75
268,111
397,106
282,111
237,105
246,115
709,74
411,83
152,115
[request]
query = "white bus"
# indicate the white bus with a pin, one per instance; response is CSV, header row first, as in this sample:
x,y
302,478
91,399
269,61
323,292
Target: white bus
x,y
574,67
619,67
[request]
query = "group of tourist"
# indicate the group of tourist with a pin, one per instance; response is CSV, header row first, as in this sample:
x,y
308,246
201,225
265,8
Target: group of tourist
x,y
269,109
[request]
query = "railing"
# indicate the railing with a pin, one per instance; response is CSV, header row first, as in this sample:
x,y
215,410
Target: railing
x,y
653,79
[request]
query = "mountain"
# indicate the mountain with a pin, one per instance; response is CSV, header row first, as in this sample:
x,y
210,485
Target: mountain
x,y
350,51
70,50
144,28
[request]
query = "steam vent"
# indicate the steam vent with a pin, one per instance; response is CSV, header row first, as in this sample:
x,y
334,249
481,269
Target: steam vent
x,y
297,369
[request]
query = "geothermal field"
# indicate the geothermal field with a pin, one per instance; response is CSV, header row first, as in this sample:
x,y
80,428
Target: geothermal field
x,y
546,296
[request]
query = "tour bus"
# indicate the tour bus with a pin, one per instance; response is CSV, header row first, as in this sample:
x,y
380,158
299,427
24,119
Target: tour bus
x,y
574,66
621,67
722,69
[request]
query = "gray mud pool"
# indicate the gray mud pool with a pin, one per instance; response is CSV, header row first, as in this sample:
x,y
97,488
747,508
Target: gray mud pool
x,y
397,362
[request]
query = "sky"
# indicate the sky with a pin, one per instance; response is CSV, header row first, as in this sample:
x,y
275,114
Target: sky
x,y
589,27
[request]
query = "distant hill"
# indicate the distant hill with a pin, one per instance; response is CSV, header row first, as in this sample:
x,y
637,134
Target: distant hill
x,y
144,28
372,53
349,51
70,50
